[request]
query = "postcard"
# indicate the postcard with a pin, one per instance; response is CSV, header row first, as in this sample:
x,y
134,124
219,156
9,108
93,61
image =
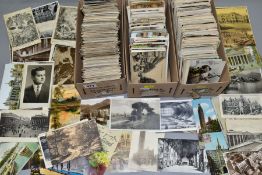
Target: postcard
x,y
45,16
109,139
238,32
177,115
21,29
24,124
67,143
36,86
65,106
11,86
144,151
243,162
119,160
135,113
65,27
246,82
37,52
15,155
180,155
243,59
205,116
64,57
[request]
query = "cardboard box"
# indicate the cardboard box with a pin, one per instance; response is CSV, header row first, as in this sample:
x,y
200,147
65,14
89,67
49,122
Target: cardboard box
x,y
103,88
210,89
153,89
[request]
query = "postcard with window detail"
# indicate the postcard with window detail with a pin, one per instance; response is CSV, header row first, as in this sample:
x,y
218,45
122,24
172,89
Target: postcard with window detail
x,y
70,142
21,29
65,28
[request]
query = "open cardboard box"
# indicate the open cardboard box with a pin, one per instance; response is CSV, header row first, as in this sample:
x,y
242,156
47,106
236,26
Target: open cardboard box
x,y
102,88
209,89
153,89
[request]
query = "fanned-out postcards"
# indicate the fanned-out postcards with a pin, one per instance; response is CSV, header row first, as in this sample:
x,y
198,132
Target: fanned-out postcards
x,y
149,41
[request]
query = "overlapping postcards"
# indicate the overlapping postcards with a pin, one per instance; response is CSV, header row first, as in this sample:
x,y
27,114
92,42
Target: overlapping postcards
x,y
197,42
100,47
149,41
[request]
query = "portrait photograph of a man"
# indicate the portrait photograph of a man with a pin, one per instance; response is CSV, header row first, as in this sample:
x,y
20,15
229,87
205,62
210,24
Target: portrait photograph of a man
x,y
37,85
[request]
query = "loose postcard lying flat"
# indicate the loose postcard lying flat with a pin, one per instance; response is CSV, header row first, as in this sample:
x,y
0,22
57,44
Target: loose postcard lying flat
x,y
70,142
135,113
21,29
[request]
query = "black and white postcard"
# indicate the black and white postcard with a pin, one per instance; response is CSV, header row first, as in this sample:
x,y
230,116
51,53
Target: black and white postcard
x,y
36,87
144,151
26,124
45,16
176,155
21,29
65,27
177,115
135,113
70,142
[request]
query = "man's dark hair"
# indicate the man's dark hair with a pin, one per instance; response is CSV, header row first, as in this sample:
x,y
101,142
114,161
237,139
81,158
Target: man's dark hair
x,y
33,71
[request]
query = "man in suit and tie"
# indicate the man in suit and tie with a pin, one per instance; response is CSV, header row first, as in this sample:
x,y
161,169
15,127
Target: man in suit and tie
x,y
38,92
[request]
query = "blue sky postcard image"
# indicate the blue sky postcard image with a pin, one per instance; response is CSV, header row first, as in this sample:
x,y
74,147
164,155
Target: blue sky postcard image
x,y
215,141
205,116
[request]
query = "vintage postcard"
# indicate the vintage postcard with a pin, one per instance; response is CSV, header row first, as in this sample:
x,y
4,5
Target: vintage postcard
x,y
64,57
244,124
109,139
143,151
21,29
179,155
205,116
177,115
242,59
244,141
65,106
45,16
247,162
67,143
37,52
135,113
246,82
214,141
14,156
119,160
65,27
241,106
11,86
36,87
235,26
23,123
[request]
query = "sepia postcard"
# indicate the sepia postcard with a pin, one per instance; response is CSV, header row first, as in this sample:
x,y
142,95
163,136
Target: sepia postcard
x,y
247,162
246,82
26,124
36,86
205,116
119,160
109,139
65,106
181,155
14,156
64,57
45,16
144,151
177,115
11,86
135,113
37,52
21,29
235,26
67,143
65,27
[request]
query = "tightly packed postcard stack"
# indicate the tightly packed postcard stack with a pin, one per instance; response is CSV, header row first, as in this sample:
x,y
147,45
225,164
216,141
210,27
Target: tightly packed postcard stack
x,y
197,42
100,41
149,41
